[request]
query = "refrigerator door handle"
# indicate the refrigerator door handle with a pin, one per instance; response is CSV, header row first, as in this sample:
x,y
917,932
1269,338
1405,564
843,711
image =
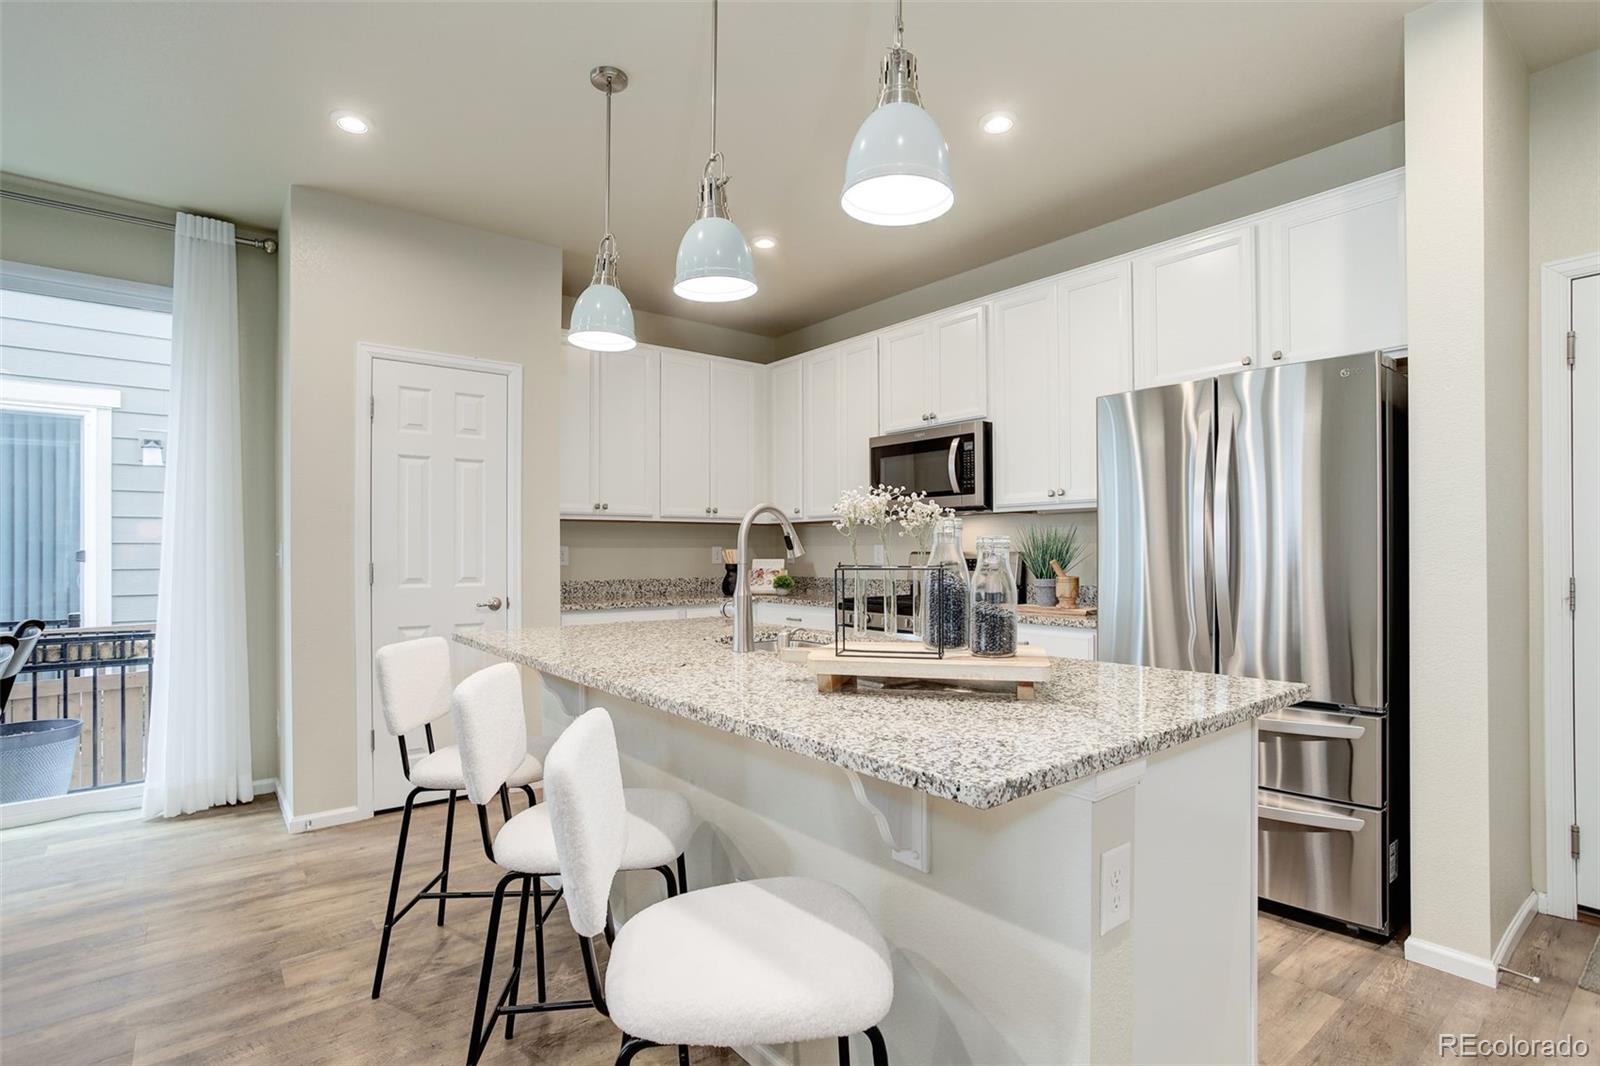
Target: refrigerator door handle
x,y
1339,823
1301,728
1224,527
1200,593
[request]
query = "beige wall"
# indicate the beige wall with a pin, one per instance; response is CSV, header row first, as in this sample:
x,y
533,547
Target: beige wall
x,y
64,240
1466,207
703,337
599,550
358,272
1563,221
1327,168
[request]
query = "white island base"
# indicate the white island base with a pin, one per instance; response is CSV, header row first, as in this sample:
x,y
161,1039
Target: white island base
x,y
994,916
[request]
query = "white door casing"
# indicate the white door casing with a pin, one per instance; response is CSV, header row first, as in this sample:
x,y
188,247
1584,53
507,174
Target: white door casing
x,y
440,464
1585,633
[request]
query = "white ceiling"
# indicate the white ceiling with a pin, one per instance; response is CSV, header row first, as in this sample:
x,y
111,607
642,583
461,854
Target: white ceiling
x,y
483,114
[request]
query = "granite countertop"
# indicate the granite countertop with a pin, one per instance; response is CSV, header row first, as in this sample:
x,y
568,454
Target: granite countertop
x,y
979,749
634,593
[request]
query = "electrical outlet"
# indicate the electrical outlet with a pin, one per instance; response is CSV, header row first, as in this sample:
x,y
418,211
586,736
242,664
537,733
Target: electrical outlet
x,y
716,555
877,555
566,556
1116,887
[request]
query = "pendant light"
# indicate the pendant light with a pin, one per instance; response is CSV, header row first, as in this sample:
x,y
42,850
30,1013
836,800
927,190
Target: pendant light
x,y
602,321
714,262
898,170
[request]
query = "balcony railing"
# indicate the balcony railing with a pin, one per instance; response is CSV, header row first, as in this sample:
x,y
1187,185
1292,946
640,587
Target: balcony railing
x,y
102,677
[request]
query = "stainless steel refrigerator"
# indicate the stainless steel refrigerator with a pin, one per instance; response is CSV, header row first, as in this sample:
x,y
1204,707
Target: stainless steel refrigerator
x,y
1254,524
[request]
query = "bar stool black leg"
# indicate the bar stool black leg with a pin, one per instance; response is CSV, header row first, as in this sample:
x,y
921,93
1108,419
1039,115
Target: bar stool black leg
x,y
516,957
444,873
844,1051
631,1046
880,1052
532,800
479,1038
394,893
683,875
538,934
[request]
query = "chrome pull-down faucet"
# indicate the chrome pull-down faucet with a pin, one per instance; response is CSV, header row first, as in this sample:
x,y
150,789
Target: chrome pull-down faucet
x,y
743,614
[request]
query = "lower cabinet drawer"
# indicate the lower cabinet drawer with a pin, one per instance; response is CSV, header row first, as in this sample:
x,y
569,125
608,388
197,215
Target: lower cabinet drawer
x,y
793,615
1323,754
1322,857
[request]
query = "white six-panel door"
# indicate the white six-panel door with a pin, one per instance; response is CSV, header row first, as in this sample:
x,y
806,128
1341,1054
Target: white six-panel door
x,y
439,521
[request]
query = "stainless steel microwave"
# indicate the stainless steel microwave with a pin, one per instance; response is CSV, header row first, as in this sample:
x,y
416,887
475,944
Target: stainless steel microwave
x,y
951,463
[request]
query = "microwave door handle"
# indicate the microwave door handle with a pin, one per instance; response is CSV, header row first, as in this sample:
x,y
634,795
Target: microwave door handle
x,y
955,482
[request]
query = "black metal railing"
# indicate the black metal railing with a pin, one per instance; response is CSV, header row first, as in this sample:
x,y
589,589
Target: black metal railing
x,y
101,676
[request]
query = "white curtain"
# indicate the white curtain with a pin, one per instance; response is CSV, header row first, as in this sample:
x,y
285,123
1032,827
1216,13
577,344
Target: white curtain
x,y
199,748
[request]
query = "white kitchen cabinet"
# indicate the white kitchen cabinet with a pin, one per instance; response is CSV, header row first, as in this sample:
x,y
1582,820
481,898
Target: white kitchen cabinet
x,y
627,429
777,612
738,437
1095,313
1334,272
1059,642
1058,347
933,370
783,381
576,457
1195,307
1025,398
821,375
859,411
685,452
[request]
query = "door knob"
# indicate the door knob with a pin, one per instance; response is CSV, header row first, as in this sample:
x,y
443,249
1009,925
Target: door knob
x,y
494,603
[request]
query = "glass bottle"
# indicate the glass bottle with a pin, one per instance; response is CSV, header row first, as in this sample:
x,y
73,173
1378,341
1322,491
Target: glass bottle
x,y
945,589
994,600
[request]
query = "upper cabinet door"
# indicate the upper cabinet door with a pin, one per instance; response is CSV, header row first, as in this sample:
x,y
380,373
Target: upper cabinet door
x,y
1334,269
905,399
738,436
860,415
821,379
685,453
628,433
575,459
784,383
1096,320
1025,399
1195,308
961,365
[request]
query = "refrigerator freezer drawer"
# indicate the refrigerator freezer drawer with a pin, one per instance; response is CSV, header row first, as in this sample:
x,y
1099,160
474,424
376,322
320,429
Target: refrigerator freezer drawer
x,y
1322,857
1322,754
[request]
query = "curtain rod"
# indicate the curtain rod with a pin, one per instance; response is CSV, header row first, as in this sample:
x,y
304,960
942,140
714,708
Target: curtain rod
x,y
266,244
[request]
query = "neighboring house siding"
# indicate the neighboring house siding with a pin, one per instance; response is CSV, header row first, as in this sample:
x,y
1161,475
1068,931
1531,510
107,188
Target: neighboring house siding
x,y
52,340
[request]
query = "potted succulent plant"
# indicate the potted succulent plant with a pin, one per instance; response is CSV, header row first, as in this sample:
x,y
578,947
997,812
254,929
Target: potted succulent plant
x,y
1042,546
782,584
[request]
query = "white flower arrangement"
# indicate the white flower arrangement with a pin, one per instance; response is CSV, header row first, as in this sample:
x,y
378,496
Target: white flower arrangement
x,y
876,508
919,517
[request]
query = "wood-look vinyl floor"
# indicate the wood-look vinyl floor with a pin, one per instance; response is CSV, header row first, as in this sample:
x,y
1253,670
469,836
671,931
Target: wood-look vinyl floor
x,y
220,938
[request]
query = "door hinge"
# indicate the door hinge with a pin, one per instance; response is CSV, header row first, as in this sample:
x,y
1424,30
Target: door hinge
x,y
1572,595
372,574
1572,348
1574,841
372,408
372,740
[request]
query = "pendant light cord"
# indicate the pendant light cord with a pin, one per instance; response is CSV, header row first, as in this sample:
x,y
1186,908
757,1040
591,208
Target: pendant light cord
x,y
899,23
607,226
714,77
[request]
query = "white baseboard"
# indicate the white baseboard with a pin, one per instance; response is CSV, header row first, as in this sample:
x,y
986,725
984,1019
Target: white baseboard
x,y
264,785
90,801
1438,957
1519,925
320,820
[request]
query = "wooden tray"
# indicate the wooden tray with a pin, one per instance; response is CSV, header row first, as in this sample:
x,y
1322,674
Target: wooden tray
x,y
1027,609
1025,669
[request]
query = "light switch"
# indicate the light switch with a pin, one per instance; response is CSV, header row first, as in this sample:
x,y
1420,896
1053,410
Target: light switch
x,y
716,555
566,556
1116,887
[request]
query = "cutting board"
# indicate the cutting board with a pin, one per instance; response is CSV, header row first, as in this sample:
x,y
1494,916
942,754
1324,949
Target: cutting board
x,y
1025,669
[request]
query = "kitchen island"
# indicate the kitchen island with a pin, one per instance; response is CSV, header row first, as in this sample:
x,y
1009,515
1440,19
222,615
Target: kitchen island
x,y
972,826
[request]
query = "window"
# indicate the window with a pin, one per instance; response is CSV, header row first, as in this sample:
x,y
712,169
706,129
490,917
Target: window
x,y
85,367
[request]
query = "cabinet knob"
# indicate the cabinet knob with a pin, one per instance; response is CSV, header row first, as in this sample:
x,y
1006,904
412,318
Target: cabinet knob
x,y
1277,356
597,507
708,510
1061,492
797,510
1246,361
605,507
716,510
1052,492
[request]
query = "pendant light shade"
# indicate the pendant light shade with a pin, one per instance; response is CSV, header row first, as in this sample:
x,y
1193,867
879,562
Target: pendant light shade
x,y
602,320
898,169
714,261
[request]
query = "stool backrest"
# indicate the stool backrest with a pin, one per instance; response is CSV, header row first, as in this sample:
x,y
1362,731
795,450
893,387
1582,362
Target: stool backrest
x,y
490,729
414,683
583,785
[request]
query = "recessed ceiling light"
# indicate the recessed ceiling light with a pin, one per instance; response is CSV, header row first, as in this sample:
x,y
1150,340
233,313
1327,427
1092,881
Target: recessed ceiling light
x,y
998,122
766,244
350,122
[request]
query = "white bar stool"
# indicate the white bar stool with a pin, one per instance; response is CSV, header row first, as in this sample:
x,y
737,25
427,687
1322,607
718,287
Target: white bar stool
x,y
487,709
754,962
414,685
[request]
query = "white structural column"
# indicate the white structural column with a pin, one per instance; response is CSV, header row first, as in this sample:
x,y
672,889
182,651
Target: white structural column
x,y
1466,276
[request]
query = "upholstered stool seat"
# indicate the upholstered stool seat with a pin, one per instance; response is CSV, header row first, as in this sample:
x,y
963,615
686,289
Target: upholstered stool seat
x,y
442,769
660,824
754,962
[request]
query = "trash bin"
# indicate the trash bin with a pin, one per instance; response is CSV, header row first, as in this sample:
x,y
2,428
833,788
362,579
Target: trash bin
x,y
36,758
